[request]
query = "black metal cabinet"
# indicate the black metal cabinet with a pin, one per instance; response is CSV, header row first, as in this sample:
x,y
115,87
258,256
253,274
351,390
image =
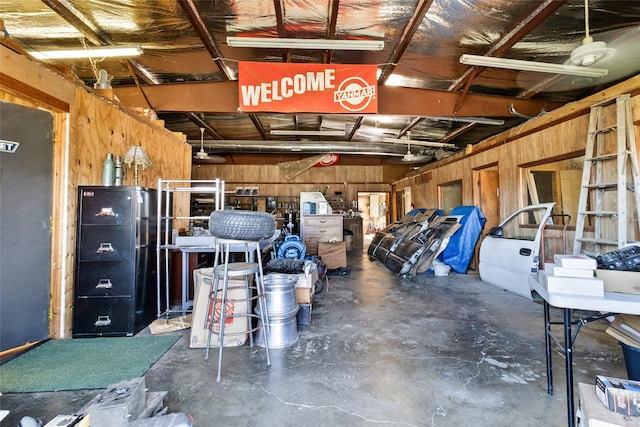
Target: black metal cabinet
x,y
115,277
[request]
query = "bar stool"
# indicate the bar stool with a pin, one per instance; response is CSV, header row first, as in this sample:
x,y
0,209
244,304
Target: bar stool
x,y
223,271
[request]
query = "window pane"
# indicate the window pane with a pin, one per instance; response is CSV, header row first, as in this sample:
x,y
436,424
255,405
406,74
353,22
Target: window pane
x,y
557,182
512,229
451,196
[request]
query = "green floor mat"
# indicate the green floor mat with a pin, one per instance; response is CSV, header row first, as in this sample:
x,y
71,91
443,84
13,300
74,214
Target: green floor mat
x,y
88,363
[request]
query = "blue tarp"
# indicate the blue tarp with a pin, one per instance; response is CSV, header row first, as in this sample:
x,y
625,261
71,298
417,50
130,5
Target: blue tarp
x,y
460,249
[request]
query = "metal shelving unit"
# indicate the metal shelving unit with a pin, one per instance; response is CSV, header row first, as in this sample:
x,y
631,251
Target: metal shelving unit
x,y
166,243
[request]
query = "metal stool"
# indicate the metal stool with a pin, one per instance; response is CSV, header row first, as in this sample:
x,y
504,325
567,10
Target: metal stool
x,y
223,270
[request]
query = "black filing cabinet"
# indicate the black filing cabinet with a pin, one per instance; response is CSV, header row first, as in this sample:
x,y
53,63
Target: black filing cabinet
x,y
115,277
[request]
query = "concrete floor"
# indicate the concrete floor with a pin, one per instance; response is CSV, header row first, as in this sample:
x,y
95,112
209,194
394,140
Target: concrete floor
x,y
418,351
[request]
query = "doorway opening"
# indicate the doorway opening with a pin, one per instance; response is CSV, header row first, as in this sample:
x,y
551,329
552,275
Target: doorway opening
x,y
374,210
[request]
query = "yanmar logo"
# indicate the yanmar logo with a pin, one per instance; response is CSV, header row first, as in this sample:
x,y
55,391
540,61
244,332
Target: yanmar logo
x,y
354,94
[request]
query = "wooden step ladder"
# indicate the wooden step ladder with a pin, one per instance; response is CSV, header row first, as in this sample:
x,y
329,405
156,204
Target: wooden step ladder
x,y
610,171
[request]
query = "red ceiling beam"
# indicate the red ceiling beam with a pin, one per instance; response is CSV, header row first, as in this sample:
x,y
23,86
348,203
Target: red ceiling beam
x,y
222,97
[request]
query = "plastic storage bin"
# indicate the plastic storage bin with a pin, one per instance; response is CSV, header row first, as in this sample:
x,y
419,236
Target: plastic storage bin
x,y
632,361
304,314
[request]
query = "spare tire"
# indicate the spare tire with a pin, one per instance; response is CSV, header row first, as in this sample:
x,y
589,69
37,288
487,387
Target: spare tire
x,y
242,225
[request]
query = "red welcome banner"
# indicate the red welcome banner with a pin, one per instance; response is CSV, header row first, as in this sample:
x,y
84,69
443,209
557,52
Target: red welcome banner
x,y
307,88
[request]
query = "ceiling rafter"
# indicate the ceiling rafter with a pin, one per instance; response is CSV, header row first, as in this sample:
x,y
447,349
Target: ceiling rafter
x,y
355,128
191,10
456,133
278,6
334,6
91,34
203,124
541,86
415,122
530,21
409,31
258,124
138,85
78,23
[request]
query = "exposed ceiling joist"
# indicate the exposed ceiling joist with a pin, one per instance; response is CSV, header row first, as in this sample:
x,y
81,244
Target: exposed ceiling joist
x,y
334,6
187,70
191,10
393,100
356,126
410,126
282,33
256,122
203,124
93,35
78,23
421,10
453,135
530,21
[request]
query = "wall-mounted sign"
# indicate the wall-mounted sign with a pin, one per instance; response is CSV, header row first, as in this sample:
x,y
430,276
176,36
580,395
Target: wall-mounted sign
x,y
8,146
301,88
328,160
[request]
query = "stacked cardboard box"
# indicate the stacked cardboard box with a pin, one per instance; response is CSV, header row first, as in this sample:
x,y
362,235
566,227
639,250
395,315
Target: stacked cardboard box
x,y
306,285
572,274
619,395
235,328
592,413
333,254
626,282
626,329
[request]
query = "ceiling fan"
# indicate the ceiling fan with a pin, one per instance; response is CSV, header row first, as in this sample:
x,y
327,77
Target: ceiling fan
x,y
590,51
590,64
203,155
410,157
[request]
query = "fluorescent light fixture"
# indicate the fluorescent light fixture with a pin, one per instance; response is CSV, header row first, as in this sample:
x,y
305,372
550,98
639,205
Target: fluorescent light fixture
x,y
477,120
307,132
420,143
95,52
288,43
539,67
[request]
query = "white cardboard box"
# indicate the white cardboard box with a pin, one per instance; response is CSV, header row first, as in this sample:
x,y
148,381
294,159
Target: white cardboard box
x,y
626,282
575,261
556,270
573,285
234,327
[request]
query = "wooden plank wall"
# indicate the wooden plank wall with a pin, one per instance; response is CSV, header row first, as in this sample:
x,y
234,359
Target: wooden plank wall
x,y
86,127
106,128
102,127
347,179
555,135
